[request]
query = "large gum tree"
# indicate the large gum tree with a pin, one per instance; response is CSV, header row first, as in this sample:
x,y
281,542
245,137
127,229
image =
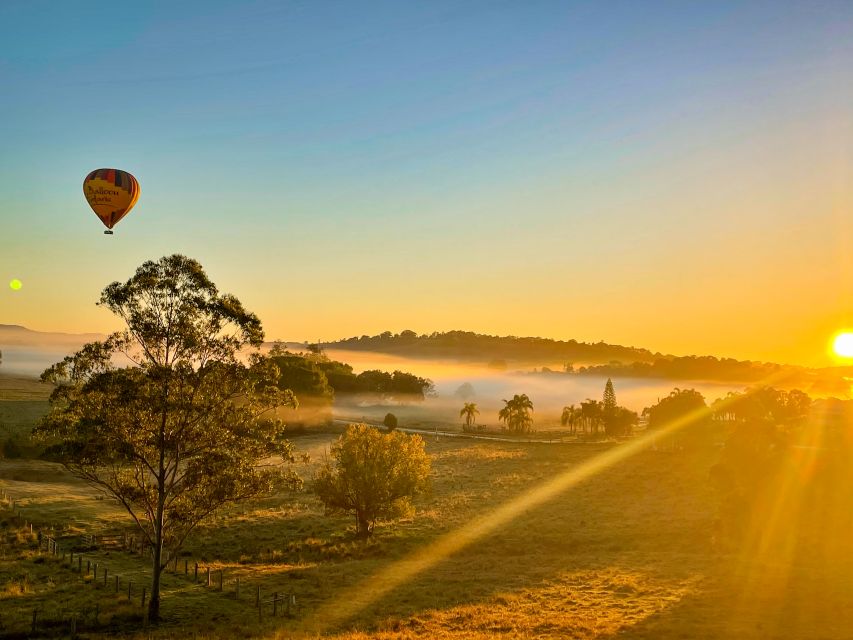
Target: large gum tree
x,y
174,416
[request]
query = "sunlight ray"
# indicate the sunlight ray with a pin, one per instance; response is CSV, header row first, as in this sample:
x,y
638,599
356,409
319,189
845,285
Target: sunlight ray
x,y
382,582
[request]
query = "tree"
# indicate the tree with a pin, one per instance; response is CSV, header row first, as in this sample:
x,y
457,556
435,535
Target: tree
x,y
678,403
398,385
764,404
516,414
609,400
301,375
469,411
182,430
465,391
390,421
617,421
570,417
591,415
620,422
373,475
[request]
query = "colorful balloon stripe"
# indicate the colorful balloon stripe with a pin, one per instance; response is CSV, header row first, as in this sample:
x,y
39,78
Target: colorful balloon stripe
x,y
111,193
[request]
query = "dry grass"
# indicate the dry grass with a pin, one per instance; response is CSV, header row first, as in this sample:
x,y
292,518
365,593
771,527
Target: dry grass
x,y
15,388
585,604
626,553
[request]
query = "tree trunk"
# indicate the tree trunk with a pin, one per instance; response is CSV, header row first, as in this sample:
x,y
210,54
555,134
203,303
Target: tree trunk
x,y
154,603
362,528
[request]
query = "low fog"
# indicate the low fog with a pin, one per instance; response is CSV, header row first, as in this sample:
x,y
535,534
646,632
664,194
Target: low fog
x,y
549,392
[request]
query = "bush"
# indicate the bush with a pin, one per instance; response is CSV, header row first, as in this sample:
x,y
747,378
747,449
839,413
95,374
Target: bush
x,y
373,475
390,421
11,449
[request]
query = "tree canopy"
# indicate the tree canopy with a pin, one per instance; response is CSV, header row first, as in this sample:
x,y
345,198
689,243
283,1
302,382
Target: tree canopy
x,y
373,475
314,374
516,414
166,416
469,411
679,403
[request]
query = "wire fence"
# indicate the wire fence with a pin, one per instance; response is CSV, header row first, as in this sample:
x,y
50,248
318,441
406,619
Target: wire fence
x,y
77,554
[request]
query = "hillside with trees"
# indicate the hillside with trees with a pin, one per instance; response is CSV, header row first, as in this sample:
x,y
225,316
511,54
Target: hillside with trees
x,y
594,359
827,380
470,346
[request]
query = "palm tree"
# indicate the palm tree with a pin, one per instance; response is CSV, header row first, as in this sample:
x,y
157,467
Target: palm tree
x,y
591,411
516,414
570,417
469,411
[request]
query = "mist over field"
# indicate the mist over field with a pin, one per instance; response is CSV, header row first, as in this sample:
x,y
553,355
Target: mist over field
x,y
27,352
35,351
549,392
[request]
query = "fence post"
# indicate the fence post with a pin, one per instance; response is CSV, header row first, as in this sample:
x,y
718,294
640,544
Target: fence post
x,y
116,584
143,597
186,567
237,590
287,612
175,570
258,598
220,579
105,576
88,566
80,564
95,572
129,586
195,576
208,576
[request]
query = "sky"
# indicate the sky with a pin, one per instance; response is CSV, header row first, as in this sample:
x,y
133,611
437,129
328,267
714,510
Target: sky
x,y
669,175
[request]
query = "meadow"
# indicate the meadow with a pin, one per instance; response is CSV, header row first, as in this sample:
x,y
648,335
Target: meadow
x,y
627,552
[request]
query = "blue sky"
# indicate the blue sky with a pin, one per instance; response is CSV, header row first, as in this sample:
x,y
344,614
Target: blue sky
x,y
636,171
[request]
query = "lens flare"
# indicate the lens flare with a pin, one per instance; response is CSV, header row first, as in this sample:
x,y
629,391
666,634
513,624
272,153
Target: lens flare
x,y
843,344
374,587
15,284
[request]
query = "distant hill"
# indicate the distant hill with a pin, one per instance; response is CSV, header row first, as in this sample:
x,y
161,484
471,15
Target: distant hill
x,y
28,352
824,381
596,359
15,334
512,350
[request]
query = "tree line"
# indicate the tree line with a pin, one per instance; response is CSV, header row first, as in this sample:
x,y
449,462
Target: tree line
x,y
475,346
313,374
714,369
591,418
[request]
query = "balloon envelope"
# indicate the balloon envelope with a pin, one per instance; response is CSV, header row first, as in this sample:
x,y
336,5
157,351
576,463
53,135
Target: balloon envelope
x,y
111,193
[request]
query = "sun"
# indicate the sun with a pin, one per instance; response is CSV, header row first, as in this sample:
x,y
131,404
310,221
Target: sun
x,y
842,345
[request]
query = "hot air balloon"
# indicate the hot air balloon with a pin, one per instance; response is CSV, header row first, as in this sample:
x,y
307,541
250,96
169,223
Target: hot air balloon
x,y
111,193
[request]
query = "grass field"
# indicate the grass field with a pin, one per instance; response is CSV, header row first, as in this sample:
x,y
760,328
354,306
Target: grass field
x,y
626,553
23,401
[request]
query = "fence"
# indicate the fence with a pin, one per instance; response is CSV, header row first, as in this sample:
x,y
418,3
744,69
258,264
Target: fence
x,y
94,571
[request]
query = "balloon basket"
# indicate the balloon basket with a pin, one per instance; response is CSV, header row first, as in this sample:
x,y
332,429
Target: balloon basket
x,y
108,232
